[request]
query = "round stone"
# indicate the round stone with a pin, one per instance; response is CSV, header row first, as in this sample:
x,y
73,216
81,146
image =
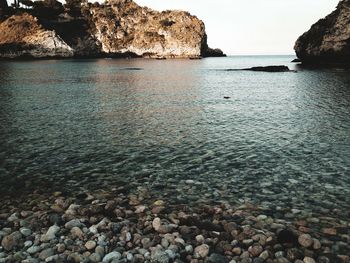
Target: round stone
x,y
201,251
305,240
309,260
25,231
255,250
90,245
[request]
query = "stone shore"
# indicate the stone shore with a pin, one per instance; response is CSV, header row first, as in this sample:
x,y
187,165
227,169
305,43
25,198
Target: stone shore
x,y
117,227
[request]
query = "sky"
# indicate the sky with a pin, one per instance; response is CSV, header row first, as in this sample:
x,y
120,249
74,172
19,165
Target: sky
x,y
252,27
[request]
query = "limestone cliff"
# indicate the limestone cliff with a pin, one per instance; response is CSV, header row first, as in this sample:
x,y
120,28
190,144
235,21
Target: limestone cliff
x,y
123,26
23,36
328,41
116,28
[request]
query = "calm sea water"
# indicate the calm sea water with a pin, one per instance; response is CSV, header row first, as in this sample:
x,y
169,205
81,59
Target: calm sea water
x,y
282,139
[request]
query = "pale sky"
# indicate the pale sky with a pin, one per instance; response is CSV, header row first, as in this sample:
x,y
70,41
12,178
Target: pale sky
x,y
250,27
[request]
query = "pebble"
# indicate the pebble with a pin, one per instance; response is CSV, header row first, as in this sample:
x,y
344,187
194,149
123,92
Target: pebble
x,y
46,253
160,256
77,233
25,231
95,257
28,243
305,240
73,223
111,256
11,241
248,242
309,260
264,255
255,250
189,249
212,234
156,223
217,258
50,234
201,251
33,249
329,231
90,245
200,238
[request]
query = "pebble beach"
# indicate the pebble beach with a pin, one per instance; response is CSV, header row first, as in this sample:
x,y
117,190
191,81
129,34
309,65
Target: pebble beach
x,y
115,226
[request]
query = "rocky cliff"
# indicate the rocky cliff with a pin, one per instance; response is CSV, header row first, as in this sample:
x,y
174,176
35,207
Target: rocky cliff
x,y
328,41
23,36
116,28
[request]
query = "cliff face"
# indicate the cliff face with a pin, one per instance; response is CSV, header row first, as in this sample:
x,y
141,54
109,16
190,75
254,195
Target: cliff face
x,y
123,26
115,28
23,36
328,41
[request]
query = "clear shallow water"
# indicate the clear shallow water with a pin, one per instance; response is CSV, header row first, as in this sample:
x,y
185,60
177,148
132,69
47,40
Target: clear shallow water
x,y
282,139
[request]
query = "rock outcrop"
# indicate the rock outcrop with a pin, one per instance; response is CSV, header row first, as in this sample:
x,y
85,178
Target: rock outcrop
x,y
23,36
122,26
116,28
328,41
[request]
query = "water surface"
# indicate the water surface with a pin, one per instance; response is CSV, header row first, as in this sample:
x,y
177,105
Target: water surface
x,y
282,139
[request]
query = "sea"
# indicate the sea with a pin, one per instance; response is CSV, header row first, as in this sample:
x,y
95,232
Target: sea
x,y
185,131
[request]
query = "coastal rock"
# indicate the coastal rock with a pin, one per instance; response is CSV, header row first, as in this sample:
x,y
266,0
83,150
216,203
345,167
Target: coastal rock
x,y
117,28
122,26
23,36
270,69
328,41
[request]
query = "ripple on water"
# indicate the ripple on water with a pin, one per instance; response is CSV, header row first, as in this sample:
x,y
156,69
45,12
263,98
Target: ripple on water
x,y
281,140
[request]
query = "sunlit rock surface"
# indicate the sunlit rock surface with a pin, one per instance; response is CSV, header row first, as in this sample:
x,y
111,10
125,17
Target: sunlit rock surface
x,y
115,28
22,35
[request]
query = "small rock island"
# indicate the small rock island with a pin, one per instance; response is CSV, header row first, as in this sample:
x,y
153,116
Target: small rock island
x,y
328,41
117,28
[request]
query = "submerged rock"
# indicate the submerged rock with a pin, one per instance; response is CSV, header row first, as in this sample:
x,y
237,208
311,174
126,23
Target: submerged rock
x,y
328,40
270,69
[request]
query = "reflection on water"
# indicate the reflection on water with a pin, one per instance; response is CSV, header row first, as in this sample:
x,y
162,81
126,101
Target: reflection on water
x,y
281,139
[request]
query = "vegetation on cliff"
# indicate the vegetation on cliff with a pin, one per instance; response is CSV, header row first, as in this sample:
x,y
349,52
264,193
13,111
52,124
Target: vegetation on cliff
x,y
115,28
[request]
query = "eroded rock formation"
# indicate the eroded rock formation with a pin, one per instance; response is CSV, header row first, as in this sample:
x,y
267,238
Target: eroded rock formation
x,y
116,28
22,35
328,41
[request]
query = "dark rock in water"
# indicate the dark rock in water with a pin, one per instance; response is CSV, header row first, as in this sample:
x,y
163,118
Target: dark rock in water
x,y
287,236
270,69
135,69
328,41
297,60
214,52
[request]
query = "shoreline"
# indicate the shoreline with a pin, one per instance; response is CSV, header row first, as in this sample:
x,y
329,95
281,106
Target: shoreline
x,y
111,226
